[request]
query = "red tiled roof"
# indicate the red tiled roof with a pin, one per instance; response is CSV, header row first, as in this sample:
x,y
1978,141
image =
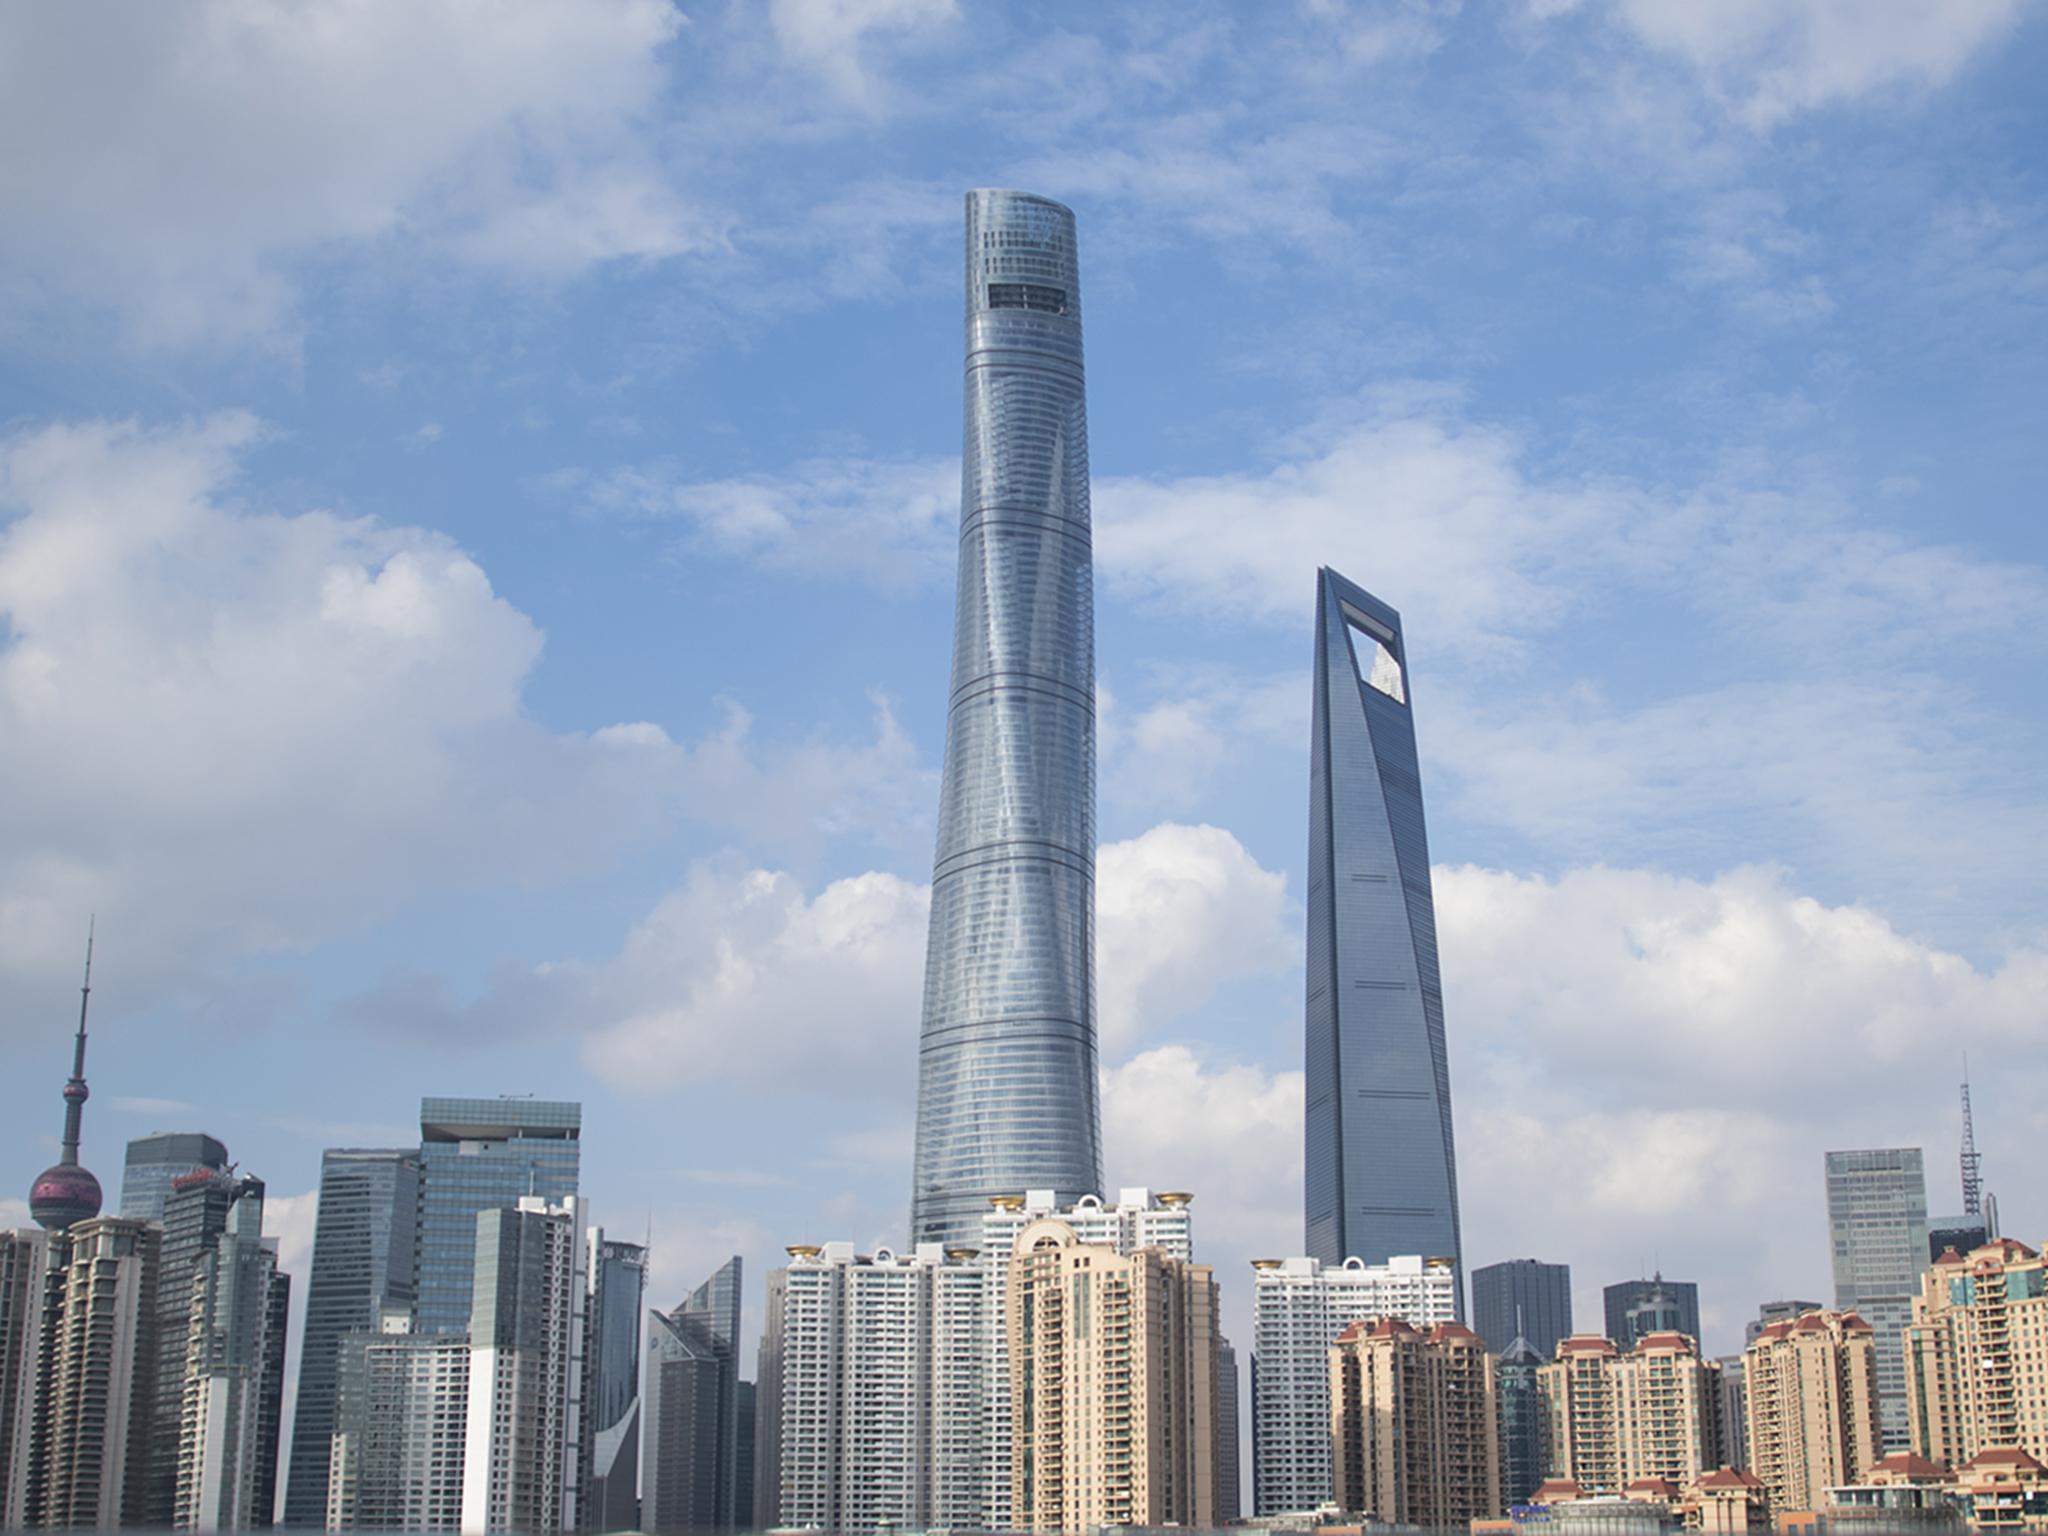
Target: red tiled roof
x,y
1948,1256
1654,1487
1552,1489
2004,1456
1444,1331
1587,1344
2000,1250
1907,1464
1730,1477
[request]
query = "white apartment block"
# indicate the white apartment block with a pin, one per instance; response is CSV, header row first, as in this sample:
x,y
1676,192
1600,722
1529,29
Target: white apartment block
x,y
1299,1307
882,1361
400,1424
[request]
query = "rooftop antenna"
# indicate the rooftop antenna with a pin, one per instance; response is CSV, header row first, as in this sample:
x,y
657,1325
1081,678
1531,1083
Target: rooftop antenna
x,y
75,1091
1973,1163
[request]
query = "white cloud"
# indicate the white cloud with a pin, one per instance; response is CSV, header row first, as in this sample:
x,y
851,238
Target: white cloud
x,y
1197,725
230,731
186,157
1769,59
829,37
1180,911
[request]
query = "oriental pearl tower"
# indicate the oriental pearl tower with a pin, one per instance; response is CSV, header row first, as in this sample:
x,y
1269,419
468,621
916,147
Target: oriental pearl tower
x,y
67,1194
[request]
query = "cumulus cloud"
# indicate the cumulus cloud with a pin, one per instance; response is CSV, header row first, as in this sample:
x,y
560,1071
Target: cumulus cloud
x,y
829,37
262,730
1769,59
187,158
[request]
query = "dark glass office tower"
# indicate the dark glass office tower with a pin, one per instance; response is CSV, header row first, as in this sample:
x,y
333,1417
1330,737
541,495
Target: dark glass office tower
x,y
1522,1419
155,1161
362,1268
1006,1075
1381,1172
480,1155
611,1401
1634,1308
1525,1299
690,1396
195,1214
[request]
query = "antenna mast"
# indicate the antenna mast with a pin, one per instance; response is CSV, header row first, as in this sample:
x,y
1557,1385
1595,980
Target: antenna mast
x,y
1973,1163
75,1091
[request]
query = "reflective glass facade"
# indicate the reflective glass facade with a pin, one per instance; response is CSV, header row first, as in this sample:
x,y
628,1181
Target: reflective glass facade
x,y
1380,1175
1522,1299
1006,1078
154,1161
1877,1228
481,1155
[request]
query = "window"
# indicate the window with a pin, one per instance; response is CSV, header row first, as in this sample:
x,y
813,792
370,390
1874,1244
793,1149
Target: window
x,y
1038,296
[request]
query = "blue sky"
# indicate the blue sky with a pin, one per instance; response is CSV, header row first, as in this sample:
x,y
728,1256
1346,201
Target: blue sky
x,y
477,493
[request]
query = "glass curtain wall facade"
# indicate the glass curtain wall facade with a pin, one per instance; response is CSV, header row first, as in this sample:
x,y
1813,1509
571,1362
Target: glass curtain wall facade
x,y
480,1155
1877,1224
611,1401
154,1161
1381,1173
1006,1074
362,1269
1633,1309
1524,1299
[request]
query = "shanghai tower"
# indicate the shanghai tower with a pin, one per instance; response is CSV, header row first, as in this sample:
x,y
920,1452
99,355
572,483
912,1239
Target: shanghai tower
x,y
1006,1097
1381,1172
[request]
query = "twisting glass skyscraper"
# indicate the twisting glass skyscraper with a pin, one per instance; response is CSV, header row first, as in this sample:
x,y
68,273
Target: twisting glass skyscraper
x,y
1381,1177
1006,1077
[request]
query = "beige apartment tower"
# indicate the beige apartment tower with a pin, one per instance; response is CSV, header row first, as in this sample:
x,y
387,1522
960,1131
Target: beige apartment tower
x,y
1614,1418
1415,1424
1976,1354
1812,1409
1113,1385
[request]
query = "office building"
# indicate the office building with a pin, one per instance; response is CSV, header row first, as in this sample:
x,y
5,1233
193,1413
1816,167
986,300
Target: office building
x,y
1734,1412
743,1486
1613,1419
1877,1221
611,1395
153,1162
195,1215
1635,1309
1415,1424
1380,1176
1007,1066
521,1461
480,1155
1229,1505
1299,1306
768,1406
1522,1299
1113,1385
232,1381
400,1425
95,1469
883,1367
690,1473
1811,1401
1963,1234
1522,1451
1770,1312
1138,1219
361,1273
1976,1355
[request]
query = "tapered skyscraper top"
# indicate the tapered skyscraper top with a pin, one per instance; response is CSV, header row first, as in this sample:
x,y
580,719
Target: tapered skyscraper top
x,y
1006,1079
1381,1176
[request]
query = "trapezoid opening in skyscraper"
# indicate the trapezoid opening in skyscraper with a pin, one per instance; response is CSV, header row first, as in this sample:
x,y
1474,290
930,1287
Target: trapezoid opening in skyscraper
x,y
1006,1073
1380,1176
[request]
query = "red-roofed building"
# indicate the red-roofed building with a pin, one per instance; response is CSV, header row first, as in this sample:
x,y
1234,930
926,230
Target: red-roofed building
x,y
1415,1424
1615,1418
1812,1407
1977,1355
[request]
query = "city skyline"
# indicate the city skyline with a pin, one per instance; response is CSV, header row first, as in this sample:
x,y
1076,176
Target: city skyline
x,y
410,617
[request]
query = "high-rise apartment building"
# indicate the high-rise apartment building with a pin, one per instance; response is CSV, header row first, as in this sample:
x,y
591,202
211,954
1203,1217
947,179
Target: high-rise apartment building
x,y
232,1380
195,1215
768,1407
95,1459
1810,1389
361,1274
480,1155
1380,1176
521,1461
611,1395
1635,1309
1415,1424
31,1296
154,1162
1007,1066
1976,1355
1113,1385
1612,1419
1299,1306
883,1361
1877,1221
1522,1452
1522,1299
1138,1219
400,1426
690,1474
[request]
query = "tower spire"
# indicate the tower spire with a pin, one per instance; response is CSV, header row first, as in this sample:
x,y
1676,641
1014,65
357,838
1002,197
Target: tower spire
x,y
67,1194
1973,1164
